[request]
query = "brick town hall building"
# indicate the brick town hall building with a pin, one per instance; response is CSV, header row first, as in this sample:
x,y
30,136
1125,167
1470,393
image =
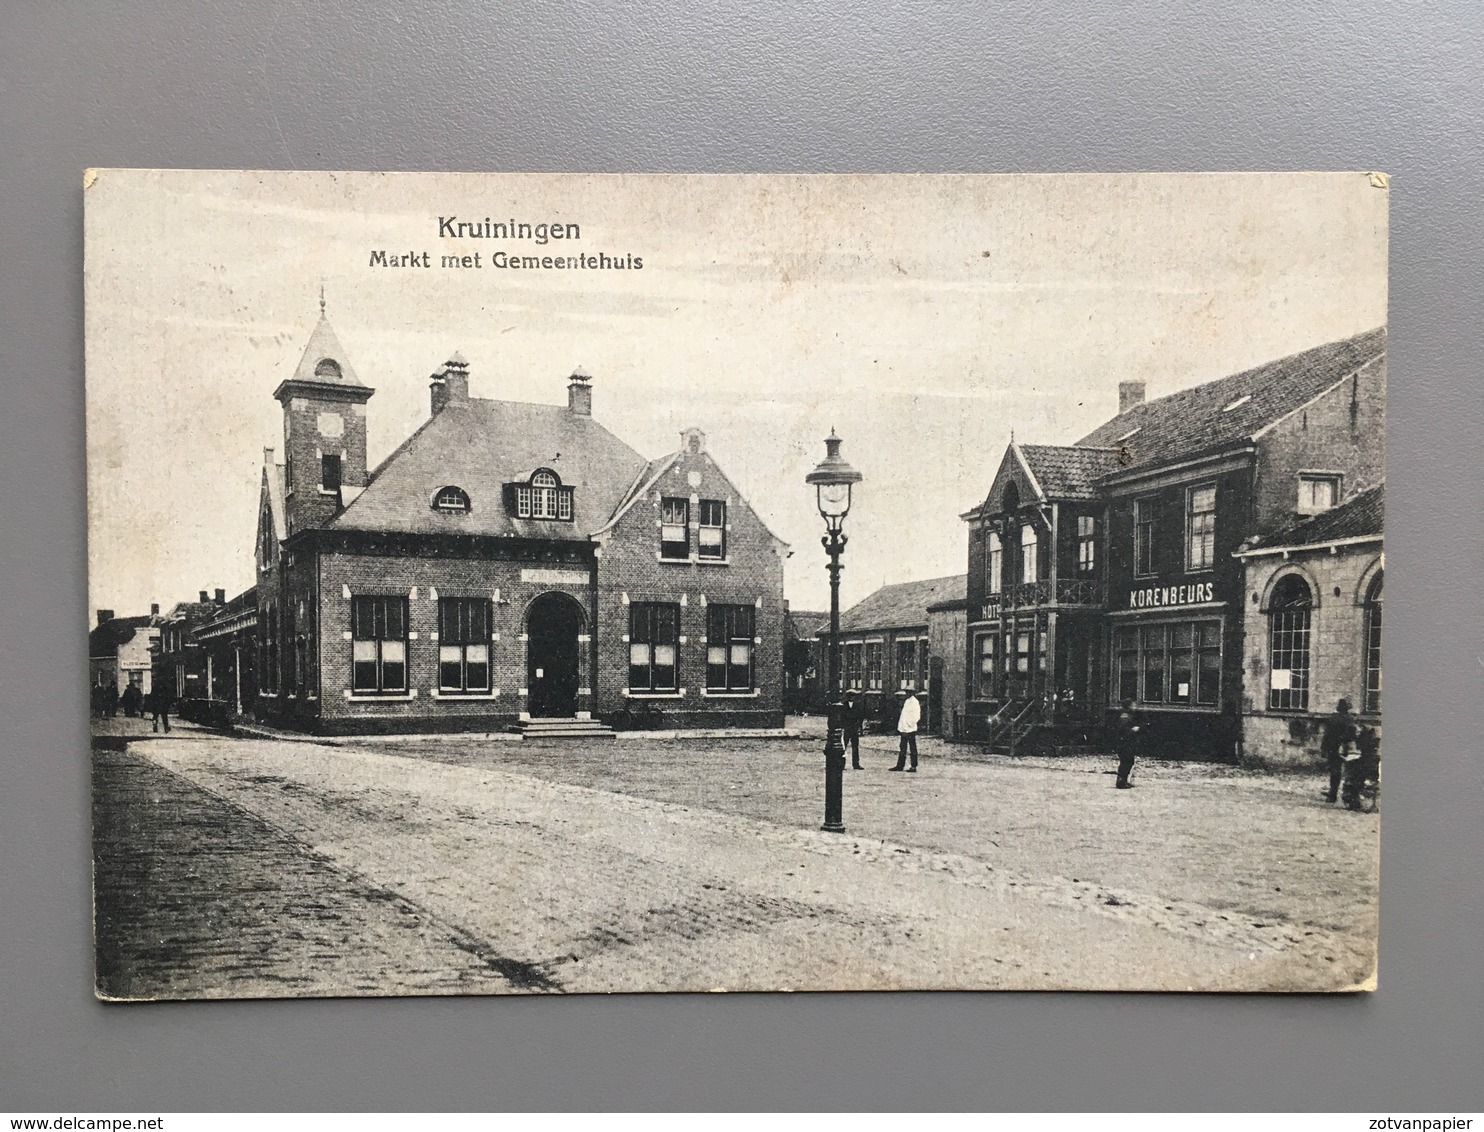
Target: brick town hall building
x,y
507,561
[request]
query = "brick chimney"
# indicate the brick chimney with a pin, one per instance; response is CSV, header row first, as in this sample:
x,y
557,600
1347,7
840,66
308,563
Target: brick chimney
x,y
450,385
580,393
1130,393
104,615
221,597
154,609
204,598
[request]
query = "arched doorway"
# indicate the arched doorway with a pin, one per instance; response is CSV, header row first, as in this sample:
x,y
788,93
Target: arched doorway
x,y
553,623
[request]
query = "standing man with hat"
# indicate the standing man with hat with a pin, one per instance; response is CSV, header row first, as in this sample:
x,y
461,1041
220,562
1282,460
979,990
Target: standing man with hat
x,y
907,722
853,728
1335,743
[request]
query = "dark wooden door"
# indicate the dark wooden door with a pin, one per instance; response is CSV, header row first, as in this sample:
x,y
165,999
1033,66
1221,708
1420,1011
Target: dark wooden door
x,y
552,627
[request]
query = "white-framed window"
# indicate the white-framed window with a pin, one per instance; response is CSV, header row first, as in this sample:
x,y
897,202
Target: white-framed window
x,y
712,532
1087,544
1373,647
874,661
984,651
1290,618
543,497
729,647
674,527
378,629
1030,544
1200,527
996,563
1317,491
453,498
463,644
654,639
853,665
1144,537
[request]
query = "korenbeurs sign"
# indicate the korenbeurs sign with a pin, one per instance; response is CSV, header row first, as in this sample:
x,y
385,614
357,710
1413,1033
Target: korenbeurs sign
x,y
1156,596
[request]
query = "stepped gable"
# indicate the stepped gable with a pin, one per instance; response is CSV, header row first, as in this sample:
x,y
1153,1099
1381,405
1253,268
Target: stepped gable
x,y
1222,413
1069,473
902,605
480,446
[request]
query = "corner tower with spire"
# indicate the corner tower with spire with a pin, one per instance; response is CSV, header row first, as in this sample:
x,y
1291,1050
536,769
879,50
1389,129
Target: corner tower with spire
x,y
324,430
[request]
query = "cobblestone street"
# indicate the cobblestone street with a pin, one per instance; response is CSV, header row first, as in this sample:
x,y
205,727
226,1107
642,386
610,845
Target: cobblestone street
x,y
436,866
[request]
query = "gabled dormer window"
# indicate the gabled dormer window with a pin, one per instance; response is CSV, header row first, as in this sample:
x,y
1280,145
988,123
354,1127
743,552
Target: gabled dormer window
x,y
451,498
540,497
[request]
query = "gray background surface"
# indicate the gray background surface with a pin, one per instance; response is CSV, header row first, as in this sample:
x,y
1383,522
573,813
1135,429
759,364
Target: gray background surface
x,y
1013,86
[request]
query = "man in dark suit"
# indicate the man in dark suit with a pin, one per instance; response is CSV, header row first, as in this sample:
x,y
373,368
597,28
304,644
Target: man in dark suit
x,y
1335,743
852,724
1125,743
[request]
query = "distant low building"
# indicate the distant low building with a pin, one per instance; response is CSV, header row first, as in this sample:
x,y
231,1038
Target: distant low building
x,y
1315,636
181,667
805,661
229,639
885,647
119,650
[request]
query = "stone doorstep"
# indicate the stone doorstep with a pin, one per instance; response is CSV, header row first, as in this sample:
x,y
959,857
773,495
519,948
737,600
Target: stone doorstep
x,y
717,733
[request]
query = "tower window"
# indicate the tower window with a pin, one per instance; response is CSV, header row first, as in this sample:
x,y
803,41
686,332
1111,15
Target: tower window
x,y
327,367
329,472
451,499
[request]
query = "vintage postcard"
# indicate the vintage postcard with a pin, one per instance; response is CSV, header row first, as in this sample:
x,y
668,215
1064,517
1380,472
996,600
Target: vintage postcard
x,y
554,583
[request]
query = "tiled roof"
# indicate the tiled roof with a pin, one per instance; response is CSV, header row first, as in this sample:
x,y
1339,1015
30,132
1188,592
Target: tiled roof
x,y
1360,515
902,605
480,446
803,624
106,639
1224,412
1068,473
323,345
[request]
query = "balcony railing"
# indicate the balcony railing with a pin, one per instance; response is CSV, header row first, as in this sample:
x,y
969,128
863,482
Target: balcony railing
x,y
1075,592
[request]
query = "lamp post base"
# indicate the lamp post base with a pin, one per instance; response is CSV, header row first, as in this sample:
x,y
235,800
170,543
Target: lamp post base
x,y
833,827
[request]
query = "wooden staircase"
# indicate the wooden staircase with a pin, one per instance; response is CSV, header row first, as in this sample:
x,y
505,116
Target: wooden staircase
x,y
562,728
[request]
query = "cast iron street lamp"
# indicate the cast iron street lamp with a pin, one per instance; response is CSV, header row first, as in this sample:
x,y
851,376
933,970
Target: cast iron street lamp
x,y
832,481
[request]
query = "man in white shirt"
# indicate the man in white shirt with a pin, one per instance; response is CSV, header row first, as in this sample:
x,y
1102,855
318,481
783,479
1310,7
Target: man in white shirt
x,y
907,722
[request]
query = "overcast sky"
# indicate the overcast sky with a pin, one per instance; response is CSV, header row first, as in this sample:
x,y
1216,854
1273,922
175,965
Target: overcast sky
x,y
924,318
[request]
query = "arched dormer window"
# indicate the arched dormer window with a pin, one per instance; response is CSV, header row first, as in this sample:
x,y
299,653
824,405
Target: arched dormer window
x,y
1010,500
327,367
541,497
451,498
1290,618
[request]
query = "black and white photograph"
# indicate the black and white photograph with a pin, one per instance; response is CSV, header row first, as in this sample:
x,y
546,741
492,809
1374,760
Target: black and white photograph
x,y
559,583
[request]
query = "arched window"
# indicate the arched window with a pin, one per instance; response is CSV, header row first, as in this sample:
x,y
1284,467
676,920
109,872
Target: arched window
x,y
327,367
1010,501
1029,544
1373,646
542,497
451,499
996,563
1290,614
